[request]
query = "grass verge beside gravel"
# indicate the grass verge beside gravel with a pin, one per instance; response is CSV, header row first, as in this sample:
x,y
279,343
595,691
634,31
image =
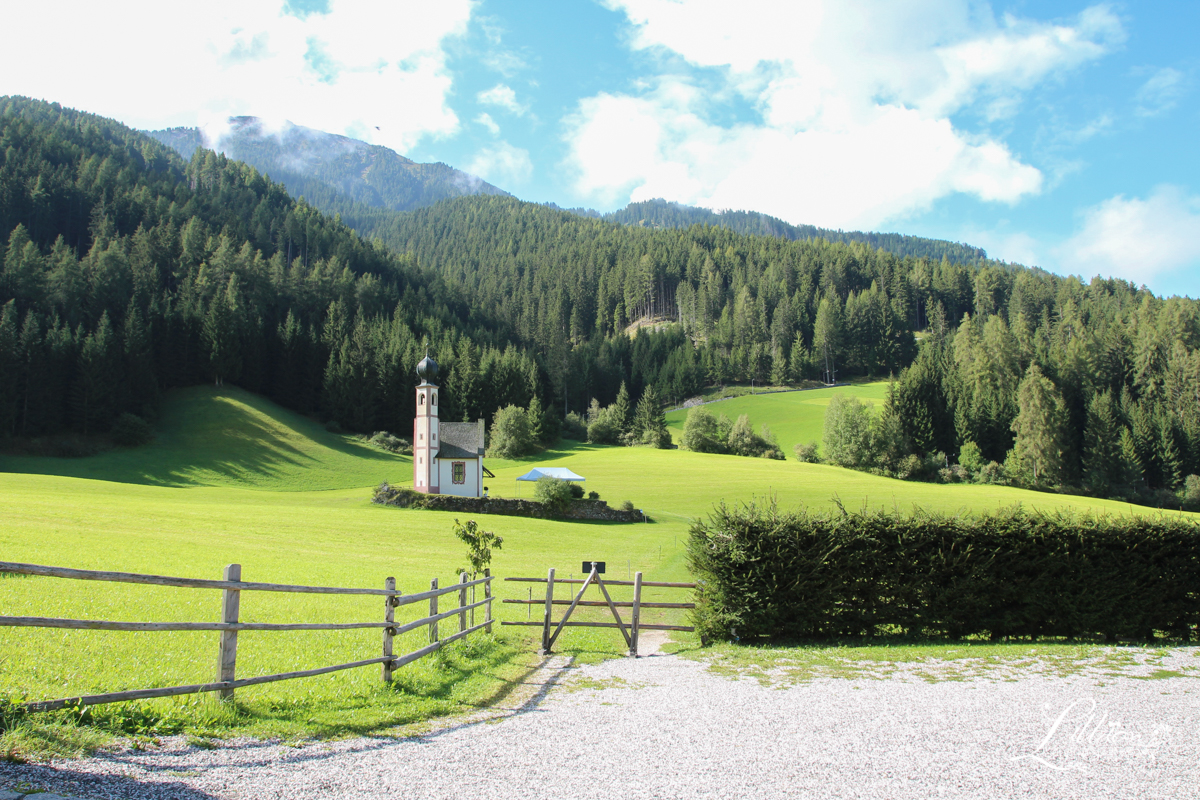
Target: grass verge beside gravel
x,y
464,677
467,676
784,665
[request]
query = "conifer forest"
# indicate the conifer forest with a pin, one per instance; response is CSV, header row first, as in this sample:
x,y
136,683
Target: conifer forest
x,y
128,270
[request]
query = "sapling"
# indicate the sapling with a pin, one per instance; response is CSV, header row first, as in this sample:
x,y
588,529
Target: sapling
x,y
479,549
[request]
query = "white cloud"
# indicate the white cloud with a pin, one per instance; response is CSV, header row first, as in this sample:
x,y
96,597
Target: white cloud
x,y
1015,247
375,71
1145,241
485,119
1160,92
854,103
502,163
502,96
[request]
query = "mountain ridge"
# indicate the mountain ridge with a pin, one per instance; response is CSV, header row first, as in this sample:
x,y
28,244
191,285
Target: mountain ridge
x,y
315,163
329,169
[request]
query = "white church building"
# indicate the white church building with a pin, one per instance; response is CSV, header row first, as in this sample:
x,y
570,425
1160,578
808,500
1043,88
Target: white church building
x,y
447,456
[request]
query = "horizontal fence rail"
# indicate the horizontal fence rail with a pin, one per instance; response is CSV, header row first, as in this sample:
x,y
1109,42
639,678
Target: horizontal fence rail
x,y
629,631
231,588
607,583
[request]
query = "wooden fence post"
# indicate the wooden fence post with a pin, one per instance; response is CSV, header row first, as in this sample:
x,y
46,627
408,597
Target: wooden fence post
x,y
487,595
433,610
227,660
637,614
389,616
462,602
549,611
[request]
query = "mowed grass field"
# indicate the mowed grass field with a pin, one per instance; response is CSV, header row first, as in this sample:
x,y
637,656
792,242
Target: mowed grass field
x,y
794,417
232,478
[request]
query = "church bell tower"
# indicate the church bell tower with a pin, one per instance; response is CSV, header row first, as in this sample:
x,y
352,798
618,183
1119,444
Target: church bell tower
x,y
425,430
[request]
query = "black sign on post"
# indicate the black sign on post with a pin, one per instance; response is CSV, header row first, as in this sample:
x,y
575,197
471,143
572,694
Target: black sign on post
x,y
587,567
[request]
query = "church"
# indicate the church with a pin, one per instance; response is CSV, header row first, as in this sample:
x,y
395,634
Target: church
x,y
447,456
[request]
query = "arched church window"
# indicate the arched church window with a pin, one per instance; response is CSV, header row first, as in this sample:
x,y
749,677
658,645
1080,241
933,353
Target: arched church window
x,y
421,400
435,398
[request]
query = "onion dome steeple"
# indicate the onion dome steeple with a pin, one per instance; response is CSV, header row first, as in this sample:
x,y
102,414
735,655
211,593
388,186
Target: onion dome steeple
x,y
427,370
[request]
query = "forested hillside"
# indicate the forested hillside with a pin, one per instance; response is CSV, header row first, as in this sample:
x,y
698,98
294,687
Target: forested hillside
x,y
664,214
129,270
327,169
340,175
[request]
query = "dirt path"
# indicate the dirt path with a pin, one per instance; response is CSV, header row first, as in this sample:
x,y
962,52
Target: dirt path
x,y
665,726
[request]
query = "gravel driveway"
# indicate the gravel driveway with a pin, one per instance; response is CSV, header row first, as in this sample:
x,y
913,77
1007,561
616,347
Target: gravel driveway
x,y
668,727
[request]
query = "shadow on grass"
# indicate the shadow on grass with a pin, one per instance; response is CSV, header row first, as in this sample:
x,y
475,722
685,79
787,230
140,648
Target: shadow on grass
x,y
206,433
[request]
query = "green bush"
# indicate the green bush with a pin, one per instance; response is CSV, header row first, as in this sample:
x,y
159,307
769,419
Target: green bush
x,y
131,431
511,435
593,495
770,573
807,453
389,442
627,506
971,459
701,433
848,440
576,491
1191,491
602,431
552,492
575,427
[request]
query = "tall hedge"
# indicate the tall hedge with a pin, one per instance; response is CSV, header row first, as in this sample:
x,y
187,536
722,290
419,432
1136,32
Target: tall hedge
x,y
767,572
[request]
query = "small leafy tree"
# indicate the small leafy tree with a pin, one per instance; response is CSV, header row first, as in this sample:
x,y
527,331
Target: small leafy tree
x,y
700,432
511,436
600,429
741,438
807,453
480,544
554,493
847,439
971,459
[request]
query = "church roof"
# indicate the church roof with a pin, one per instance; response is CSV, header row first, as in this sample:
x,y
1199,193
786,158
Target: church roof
x,y
461,439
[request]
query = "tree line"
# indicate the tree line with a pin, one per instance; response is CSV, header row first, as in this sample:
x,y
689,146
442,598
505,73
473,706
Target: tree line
x,y
127,271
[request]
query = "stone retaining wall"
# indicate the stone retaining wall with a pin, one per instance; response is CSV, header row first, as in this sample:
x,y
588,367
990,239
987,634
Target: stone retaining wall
x,y
513,507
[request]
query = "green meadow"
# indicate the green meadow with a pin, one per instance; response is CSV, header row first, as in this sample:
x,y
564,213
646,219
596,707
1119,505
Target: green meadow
x,y
232,477
794,417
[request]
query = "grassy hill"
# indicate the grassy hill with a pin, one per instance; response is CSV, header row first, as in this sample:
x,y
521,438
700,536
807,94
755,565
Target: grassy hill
x,y
234,478
229,437
794,417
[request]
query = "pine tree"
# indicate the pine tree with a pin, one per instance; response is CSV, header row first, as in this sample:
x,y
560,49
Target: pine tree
x,y
1169,455
650,423
97,378
34,376
1102,470
223,333
1039,428
827,338
536,418
620,415
140,385
9,367
1132,476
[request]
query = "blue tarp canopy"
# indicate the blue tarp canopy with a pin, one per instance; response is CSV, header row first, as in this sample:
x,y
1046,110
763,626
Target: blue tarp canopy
x,y
562,473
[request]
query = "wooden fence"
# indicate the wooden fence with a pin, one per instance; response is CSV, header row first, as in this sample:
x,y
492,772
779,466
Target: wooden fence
x,y
551,630
231,588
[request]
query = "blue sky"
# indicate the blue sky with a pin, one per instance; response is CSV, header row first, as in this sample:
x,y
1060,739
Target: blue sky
x,y
1057,134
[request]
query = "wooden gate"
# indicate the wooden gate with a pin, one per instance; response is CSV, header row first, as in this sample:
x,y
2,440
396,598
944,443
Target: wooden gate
x,y
551,630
